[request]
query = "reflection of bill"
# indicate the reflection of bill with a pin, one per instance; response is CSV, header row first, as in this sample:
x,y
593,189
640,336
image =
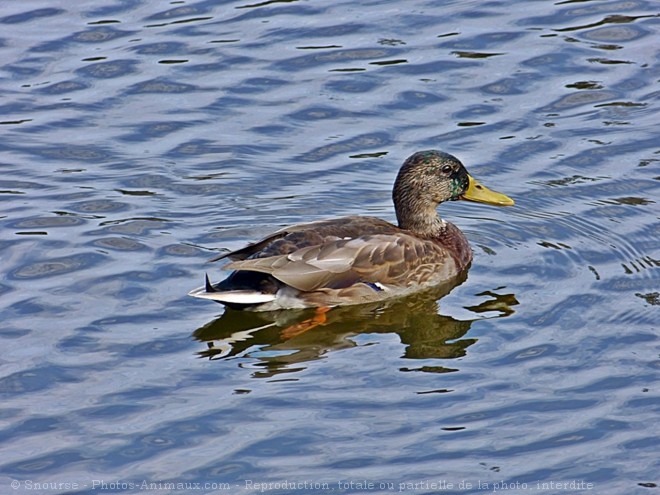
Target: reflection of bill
x,y
416,319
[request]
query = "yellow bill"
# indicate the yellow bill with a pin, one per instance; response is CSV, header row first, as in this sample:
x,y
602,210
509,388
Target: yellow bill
x,y
481,194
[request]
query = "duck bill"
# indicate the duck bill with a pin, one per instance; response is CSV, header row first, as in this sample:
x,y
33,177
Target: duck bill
x,y
481,194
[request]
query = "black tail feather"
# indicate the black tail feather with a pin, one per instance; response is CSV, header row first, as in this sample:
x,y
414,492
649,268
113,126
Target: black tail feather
x,y
209,287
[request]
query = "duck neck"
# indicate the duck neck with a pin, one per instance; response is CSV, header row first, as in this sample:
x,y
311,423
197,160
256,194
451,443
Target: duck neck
x,y
424,222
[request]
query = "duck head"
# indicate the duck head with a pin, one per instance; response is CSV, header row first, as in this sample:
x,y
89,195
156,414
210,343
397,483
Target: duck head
x,y
428,178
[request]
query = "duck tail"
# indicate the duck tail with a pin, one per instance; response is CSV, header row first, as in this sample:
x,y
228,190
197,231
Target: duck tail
x,y
209,287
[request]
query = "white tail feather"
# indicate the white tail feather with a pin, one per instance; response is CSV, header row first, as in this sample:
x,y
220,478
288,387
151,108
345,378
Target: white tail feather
x,y
233,296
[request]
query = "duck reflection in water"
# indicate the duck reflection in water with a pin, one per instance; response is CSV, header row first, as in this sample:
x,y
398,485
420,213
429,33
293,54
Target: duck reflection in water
x,y
281,342
364,268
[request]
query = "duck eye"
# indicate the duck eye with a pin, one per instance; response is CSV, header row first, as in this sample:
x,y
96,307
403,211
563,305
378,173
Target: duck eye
x,y
447,169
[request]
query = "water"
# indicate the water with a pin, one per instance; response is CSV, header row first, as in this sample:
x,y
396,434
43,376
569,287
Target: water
x,y
141,138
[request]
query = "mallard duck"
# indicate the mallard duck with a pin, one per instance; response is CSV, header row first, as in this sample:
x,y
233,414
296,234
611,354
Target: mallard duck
x,y
356,259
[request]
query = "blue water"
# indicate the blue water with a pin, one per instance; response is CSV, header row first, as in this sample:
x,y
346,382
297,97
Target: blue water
x,y
141,138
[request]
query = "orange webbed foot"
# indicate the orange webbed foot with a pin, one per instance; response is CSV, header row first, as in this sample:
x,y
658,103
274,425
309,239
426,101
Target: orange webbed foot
x,y
318,319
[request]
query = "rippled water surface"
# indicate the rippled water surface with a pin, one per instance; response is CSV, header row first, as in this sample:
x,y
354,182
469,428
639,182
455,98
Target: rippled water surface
x,y
141,138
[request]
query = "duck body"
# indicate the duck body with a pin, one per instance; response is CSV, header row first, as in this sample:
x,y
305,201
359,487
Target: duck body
x,y
356,259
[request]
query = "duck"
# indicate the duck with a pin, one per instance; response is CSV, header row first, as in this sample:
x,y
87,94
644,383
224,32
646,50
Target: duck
x,y
359,259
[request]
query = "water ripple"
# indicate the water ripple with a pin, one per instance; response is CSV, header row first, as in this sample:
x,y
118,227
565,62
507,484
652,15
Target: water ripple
x,y
56,266
141,138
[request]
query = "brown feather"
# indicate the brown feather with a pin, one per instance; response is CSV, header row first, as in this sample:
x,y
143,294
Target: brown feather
x,y
384,258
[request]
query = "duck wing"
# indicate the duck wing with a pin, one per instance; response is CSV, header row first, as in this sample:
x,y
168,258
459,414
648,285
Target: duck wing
x,y
301,235
399,260
250,249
